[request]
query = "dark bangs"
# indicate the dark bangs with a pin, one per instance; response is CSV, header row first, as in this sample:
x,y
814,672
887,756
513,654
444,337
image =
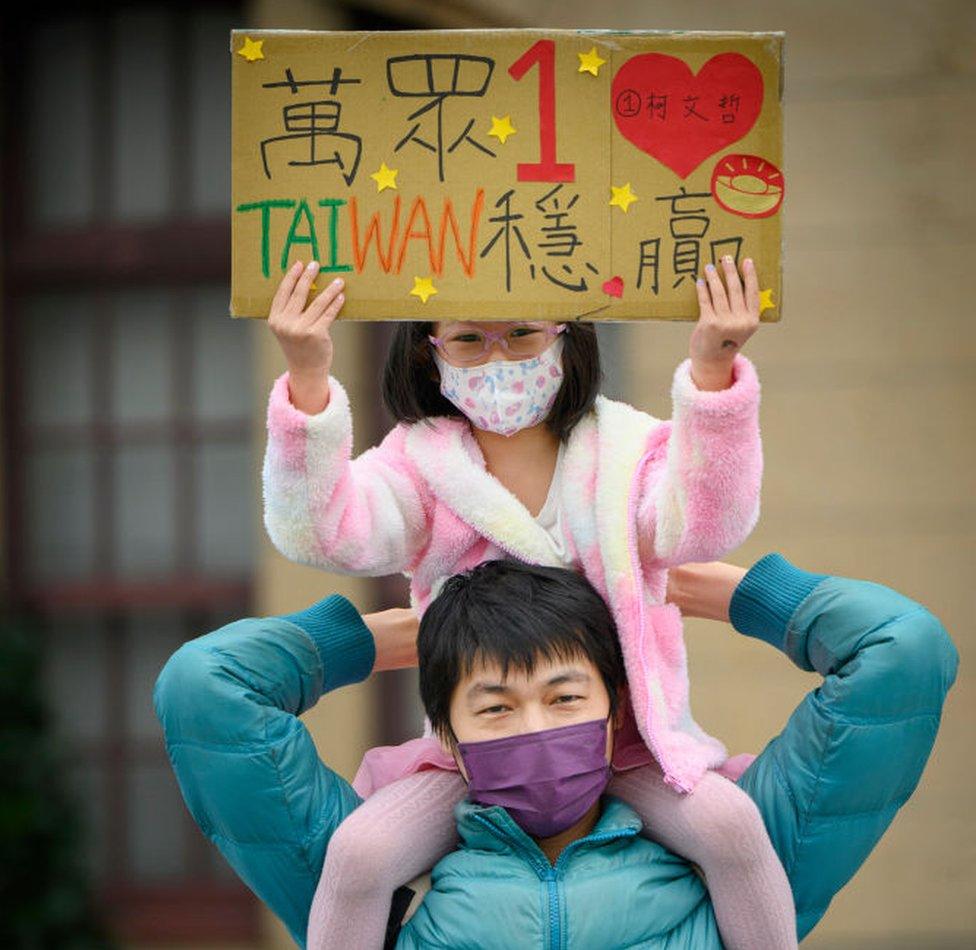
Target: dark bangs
x,y
411,382
513,615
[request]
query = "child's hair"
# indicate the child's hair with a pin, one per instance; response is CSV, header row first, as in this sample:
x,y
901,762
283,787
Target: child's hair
x,y
411,383
512,614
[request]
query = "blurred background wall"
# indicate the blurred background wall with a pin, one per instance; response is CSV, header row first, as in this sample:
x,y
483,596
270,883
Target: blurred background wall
x,y
133,408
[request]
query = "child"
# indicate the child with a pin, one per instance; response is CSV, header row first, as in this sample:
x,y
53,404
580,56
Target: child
x,y
495,422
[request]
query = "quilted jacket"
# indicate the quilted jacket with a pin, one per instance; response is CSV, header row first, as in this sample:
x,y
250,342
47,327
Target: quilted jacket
x,y
827,786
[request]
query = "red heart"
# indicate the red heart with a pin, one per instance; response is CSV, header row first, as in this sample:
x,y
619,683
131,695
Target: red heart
x,y
680,118
614,286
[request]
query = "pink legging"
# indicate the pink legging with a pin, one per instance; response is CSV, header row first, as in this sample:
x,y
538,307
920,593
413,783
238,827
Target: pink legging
x,y
406,827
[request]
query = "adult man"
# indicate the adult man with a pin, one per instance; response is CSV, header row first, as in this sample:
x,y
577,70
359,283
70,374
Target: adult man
x,y
827,786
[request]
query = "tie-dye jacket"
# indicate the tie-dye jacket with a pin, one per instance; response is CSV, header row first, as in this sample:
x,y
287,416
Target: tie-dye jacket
x,y
638,496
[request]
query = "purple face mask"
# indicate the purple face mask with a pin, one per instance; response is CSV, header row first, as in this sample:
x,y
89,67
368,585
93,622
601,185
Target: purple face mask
x,y
546,780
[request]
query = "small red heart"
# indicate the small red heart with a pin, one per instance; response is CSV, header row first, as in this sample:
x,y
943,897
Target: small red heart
x,y
614,286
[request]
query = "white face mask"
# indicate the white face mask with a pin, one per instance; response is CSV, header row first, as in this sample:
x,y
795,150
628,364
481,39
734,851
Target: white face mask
x,y
505,396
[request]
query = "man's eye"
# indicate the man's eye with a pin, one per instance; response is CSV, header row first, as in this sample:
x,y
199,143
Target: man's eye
x,y
567,699
492,709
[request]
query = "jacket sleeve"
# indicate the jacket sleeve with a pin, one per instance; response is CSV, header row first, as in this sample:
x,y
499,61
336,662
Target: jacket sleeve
x,y
364,516
245,763
853,751
698,482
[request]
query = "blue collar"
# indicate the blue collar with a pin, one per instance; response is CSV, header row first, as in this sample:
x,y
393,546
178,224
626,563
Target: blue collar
x,y
492,828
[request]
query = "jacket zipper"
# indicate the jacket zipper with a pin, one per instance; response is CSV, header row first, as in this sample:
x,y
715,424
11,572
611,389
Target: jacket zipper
x,y
555,930
550,873
555,935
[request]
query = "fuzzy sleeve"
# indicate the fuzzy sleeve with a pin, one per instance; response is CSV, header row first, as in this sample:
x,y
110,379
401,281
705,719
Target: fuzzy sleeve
x,y
699,481
365,516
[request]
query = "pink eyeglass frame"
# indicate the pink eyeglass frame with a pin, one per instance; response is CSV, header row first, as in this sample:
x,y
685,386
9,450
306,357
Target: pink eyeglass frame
x,y
492,335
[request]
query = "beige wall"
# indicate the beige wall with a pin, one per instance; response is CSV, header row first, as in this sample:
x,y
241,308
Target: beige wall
x,y
869,401
868,395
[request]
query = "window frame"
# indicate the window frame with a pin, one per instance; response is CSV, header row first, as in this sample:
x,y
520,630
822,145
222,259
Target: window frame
x,y
178,252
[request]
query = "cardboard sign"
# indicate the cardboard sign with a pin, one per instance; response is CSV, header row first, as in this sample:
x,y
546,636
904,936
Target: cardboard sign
x,y
505,174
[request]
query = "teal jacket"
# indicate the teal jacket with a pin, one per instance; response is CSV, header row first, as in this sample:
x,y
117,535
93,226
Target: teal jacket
x,y
827,786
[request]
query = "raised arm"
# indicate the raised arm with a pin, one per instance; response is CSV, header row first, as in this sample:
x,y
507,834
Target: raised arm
x,y
248,769
365,516
699,480
853,751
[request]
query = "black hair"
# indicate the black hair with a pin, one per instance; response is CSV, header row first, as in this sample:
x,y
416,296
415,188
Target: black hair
x,y
512,614
411,382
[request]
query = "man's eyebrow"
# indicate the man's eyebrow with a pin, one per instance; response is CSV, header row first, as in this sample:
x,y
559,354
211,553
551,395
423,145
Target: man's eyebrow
x,y
570,676
493,689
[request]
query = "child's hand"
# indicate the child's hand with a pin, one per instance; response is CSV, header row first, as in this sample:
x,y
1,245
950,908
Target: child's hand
x,y
725,322
304,334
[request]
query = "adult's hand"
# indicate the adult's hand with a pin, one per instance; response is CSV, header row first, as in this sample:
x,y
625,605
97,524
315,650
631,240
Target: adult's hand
x,y
704,590
395,635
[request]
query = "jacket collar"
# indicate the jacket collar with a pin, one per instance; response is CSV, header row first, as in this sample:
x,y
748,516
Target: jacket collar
x,y
492,828
450,459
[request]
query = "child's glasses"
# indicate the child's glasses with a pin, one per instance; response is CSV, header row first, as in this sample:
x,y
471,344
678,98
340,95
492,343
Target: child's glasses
x,y
523,340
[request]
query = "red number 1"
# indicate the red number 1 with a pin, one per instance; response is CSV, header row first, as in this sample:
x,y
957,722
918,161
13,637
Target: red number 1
x,y
548,169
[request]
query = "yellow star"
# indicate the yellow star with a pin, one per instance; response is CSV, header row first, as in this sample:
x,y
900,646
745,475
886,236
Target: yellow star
x,y
590,62
251,50
622,197
423,288
766,300
385,177
502,128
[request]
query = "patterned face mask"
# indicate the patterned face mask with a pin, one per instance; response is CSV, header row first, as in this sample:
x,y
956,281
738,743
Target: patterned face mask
x,y
505,396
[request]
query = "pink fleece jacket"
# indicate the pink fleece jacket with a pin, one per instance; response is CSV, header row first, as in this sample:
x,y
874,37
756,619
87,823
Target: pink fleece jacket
x,y
638,495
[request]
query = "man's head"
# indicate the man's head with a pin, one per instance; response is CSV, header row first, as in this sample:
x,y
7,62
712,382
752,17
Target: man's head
x,y
509,648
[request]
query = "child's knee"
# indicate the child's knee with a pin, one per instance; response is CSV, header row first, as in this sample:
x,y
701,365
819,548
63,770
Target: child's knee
x,y
732,827
360,853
